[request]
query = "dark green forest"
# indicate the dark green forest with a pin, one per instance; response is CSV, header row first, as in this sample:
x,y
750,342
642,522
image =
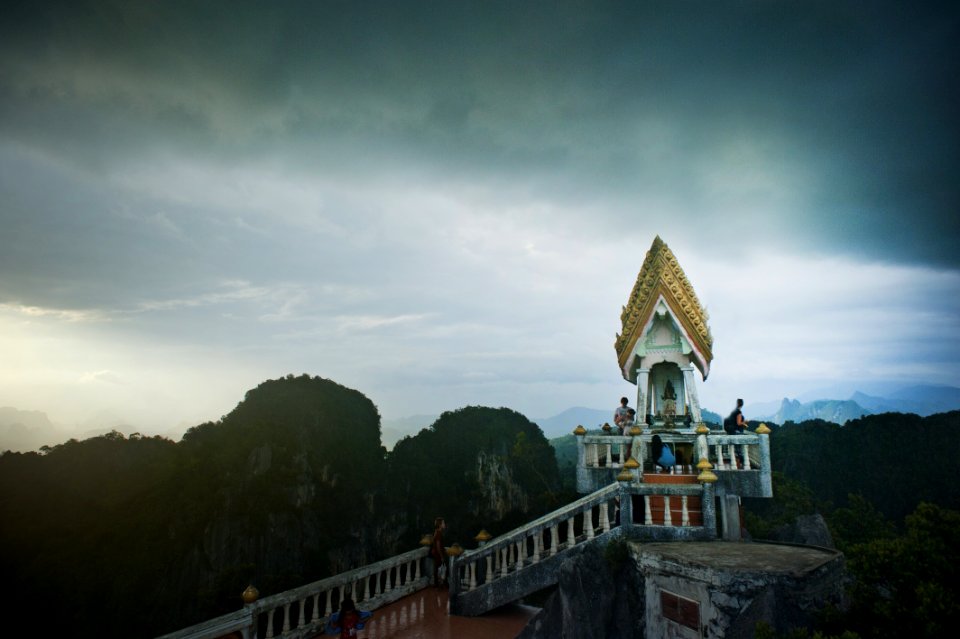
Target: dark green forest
x,y
884,485
137,536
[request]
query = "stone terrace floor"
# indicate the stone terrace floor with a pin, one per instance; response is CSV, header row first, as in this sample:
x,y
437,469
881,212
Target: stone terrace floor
x,y
423,615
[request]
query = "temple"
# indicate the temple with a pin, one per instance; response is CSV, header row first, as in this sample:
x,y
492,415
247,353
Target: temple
x,y
714,585
665,337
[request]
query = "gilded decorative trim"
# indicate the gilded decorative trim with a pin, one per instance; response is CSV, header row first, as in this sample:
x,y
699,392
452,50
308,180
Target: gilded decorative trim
x,y
661,275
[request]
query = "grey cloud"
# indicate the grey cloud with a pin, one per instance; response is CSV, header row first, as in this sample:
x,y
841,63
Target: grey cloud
x,y
825,127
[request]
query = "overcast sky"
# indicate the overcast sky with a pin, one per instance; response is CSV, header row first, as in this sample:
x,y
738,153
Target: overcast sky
x,y
442,204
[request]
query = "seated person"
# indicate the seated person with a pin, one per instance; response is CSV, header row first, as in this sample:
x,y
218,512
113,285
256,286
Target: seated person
x,y
620,414
627,423
661,454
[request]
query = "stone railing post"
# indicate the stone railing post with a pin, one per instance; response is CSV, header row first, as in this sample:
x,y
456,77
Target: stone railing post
x,y
766,477
708,508
583,477
626,503
453,570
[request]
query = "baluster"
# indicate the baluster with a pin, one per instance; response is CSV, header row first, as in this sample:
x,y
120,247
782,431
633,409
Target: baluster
x,y
647,516
473,574
554,539
366,589
390,579
286,617
733,457
316,607
416,570
537,543
604,518
488,576
667,519
329,609
303,612
519,556
746,457
720,464
571,535
622,454
686,513
588,521
609,454
271,623
505,561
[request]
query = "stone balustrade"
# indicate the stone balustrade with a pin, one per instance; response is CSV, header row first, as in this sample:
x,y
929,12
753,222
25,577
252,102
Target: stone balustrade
x,y
606,451
303,612
600,456
669,511
510,553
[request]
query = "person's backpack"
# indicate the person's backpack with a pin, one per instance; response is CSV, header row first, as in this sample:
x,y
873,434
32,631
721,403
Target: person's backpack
x,y
730,423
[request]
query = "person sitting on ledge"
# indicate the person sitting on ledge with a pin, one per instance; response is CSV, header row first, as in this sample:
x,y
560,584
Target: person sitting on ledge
x,y
661,453
621,414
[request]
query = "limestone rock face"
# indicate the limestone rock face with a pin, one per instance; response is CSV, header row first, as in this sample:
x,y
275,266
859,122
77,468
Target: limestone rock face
x,y
593,600
499,491
811,530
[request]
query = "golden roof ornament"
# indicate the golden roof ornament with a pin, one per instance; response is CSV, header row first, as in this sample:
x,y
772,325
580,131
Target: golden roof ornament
x,y
661,276
625,475
702,429
483,535
455,550
763,429
631,464
579,430
426,540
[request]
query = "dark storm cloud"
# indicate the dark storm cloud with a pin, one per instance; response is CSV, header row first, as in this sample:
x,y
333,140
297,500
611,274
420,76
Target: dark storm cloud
x,y
820,126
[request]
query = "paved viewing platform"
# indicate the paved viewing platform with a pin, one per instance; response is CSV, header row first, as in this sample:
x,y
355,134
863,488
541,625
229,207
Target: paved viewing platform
x,y
425,615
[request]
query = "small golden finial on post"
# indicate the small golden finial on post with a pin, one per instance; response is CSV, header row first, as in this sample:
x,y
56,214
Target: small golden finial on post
x,y
250,594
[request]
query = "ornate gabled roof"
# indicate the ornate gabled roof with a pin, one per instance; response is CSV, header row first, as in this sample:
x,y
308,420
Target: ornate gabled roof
x,y
661,277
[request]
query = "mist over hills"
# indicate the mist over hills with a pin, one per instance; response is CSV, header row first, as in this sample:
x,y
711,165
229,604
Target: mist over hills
x,y
922,400
29,430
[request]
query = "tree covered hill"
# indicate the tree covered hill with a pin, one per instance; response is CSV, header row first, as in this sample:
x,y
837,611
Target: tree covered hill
x,y
894,460
133,537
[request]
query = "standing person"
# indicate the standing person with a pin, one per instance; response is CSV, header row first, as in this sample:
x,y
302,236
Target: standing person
x,y
621,414
437,551
735,424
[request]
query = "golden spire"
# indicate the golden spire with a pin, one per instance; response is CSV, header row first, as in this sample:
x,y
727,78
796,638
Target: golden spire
x,y
661,275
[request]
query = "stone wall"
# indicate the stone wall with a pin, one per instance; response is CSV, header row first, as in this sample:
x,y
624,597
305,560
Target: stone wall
x,y
724,590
